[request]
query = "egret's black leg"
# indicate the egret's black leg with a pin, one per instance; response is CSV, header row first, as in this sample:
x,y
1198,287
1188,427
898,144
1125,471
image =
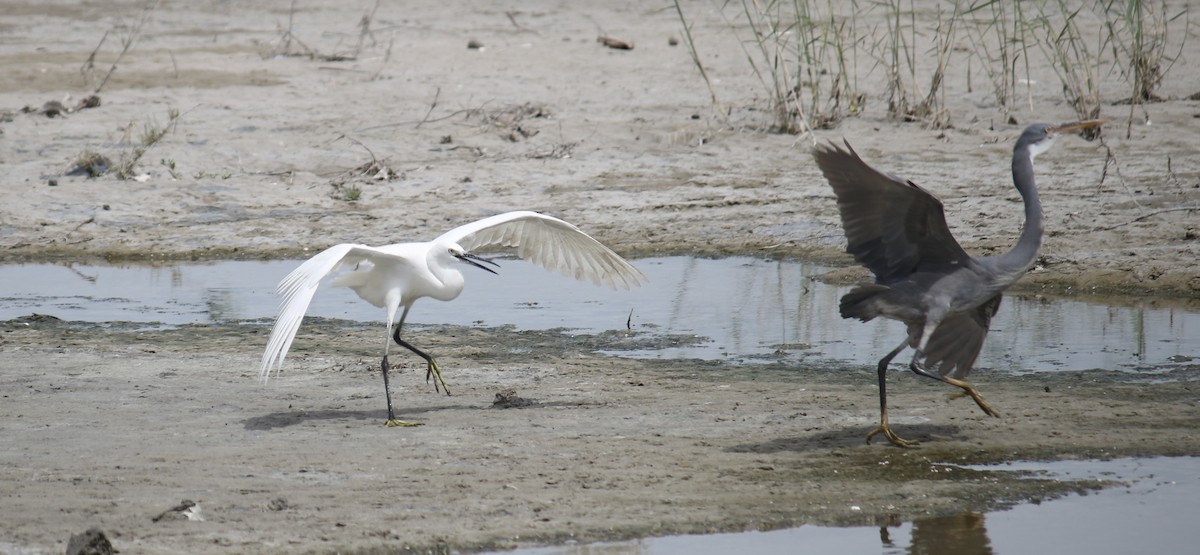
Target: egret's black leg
x,y
387,391
432,368
967,389
884,428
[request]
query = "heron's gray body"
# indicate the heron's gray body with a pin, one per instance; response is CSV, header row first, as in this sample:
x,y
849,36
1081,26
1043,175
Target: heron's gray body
x,y
923,277
954,309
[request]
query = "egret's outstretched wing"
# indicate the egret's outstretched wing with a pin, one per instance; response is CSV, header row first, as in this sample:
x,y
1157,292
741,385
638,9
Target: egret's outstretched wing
x,y
297,290
550,243
893,227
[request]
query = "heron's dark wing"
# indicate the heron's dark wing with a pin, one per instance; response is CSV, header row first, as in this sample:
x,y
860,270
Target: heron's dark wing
x,y
550,243
893,227
954,345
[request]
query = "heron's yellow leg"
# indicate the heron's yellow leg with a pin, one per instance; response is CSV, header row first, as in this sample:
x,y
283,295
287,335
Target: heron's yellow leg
x,y
968,389
887,432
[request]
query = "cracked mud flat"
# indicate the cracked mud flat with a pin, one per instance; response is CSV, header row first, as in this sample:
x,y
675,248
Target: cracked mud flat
x,y
108,426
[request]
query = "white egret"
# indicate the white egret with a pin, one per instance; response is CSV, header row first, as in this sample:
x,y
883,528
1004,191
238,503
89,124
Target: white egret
x,y
395,276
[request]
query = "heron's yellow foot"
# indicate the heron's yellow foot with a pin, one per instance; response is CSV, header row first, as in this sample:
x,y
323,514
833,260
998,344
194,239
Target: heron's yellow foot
x,y
434,371
891,436
393,423
968,389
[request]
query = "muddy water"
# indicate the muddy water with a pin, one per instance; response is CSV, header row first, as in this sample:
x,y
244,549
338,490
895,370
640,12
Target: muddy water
x,y
745,309
1151,512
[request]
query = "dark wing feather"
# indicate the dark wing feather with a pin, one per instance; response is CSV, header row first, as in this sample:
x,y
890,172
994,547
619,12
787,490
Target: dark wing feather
x,y
893,227
955,344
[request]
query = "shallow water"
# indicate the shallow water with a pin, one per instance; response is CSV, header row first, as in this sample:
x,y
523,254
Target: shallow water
x,y
1154,513
747,308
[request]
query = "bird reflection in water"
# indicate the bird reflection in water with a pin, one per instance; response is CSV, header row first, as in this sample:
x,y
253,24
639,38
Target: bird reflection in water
x,y
961,534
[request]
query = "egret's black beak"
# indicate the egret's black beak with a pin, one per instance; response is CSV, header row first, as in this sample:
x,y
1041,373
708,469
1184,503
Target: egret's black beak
x,y
471,259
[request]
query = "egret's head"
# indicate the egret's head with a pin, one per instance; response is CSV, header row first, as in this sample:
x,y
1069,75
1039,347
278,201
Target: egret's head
x,y
461,254
1039,137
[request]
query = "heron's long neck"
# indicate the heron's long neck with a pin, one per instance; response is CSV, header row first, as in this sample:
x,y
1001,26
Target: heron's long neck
x,y
1015,262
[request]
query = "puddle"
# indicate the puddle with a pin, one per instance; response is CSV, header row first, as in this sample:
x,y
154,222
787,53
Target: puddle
x,y
1154,513
748,309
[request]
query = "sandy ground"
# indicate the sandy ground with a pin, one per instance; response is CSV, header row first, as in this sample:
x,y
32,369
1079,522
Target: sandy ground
x,y
109,427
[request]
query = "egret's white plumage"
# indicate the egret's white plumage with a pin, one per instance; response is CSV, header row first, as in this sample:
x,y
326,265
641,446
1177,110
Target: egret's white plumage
x,y
395,276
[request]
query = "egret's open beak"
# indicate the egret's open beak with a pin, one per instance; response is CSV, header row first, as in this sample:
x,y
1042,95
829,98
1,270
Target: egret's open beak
x,y
1078,126
471,259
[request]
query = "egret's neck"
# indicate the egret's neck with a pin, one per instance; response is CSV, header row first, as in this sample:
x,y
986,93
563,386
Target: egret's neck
x,y
445,271
1017,261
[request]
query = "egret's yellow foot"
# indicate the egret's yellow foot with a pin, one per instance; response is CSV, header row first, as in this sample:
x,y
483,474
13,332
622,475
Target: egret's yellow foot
x,y
393,423
434,371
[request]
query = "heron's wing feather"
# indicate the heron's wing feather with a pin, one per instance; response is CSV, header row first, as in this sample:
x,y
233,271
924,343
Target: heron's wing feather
x,y
893,227
297,290
550,243
955,344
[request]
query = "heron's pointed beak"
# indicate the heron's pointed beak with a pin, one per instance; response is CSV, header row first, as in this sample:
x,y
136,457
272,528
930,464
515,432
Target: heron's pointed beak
x,y
1078,126
472,260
